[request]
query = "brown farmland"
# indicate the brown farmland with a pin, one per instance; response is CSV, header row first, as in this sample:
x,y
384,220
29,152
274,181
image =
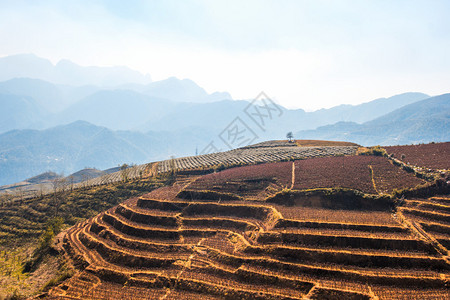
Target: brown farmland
x,y
223,236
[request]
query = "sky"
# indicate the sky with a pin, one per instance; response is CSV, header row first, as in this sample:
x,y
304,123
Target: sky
x,y
304,54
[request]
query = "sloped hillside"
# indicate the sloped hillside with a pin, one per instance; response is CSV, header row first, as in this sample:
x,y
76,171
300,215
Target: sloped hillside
x,y
433,156
268,231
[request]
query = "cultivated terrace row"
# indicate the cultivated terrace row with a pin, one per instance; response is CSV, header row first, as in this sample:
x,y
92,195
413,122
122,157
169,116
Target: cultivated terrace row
x,y
316,228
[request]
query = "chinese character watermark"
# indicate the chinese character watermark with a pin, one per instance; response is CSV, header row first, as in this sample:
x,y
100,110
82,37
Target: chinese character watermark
x,y
239,133
261,110
210,148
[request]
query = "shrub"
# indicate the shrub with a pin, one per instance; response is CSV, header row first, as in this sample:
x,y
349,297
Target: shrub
x,y
375,150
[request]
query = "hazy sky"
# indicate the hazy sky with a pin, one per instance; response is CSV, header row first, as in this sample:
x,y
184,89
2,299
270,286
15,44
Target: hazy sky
x,y
305,54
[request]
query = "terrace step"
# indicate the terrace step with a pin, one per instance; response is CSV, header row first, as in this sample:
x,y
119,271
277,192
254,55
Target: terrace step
x,y
396,277
435,227
148,217
163,205
235,288
150,250
441,200
319,280
289,223
126,241
436,216
80,254
237,224
345,257
99,225
428,206
152,212
147,231
326,293
345,240
135,229
80,284
124,257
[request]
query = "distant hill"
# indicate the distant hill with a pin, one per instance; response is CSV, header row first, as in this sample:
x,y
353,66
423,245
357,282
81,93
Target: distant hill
x,y
120,109
85,174
128,107
368,110
44,177
31,186
177,90
171,104
184,90
51,97
220,114
45,182
421,122
69,148
63,149
67,72
46,94
19,112
185,129
435,107
201,115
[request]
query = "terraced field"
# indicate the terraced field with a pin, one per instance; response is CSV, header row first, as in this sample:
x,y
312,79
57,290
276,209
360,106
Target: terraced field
x,y
368,174
247,233
270,151
254,155
433,156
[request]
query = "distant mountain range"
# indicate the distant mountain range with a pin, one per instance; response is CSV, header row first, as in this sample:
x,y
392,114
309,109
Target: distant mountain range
x,y
43,104
65,118
68,148
420,122
66,72
219,114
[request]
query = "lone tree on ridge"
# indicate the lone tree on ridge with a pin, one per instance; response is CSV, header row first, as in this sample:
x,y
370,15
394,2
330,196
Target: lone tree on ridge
x,y
290,136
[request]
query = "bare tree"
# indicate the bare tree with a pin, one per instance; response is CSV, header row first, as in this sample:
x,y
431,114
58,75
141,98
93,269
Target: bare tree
x,y
41,189
59,186
290,136
20,194
5,199
125,172
85,177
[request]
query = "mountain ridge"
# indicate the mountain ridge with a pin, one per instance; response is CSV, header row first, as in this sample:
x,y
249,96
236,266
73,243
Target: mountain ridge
x,y
66,72
420,122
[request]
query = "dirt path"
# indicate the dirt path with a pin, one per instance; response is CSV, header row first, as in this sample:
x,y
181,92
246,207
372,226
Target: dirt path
x,y
372,175
186,265
293,176
422,234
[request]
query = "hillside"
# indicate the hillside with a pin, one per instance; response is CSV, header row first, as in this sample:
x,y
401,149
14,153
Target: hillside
x,y
23,219
325,227
423,155
314,221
